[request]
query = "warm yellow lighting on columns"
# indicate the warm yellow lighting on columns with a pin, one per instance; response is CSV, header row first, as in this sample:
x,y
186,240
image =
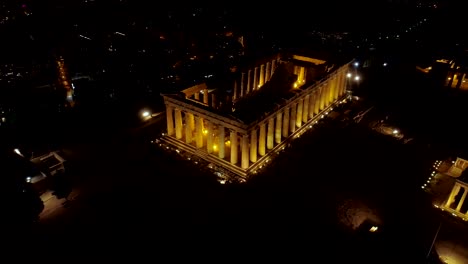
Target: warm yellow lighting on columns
x,y
311,104
209,138
221,143
331,91
255,84
292,123
344,81
329,88
234,146
455,190
249,73
462,199
323,92
305,110
300,105
271,129
242,85
205,96
267,72
188,131
199,133
234,94
301,75
191,121
178,123
262,76
245,152
253,145
262,139
197,96
273,66
338,85
279,119
169,120
286,122
317,97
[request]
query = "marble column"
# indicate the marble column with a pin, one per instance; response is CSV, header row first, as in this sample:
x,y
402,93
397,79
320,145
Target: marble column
x,y
344,82
332,89
299,114
317,101
209,138
205,96
262,139
305,110
199,132
462,199
178,123
311,104
249,81
191,121
245,151
221,142
255,78
286,122
273,66
267,72
197,96
253,145
323,92
453,193
188,130
242,84
292,123
169,120
338,86
262,76
279,127
271,132
234,147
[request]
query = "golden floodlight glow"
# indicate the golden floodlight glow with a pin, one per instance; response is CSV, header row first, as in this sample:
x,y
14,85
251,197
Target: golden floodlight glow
x,y
215,147
205,131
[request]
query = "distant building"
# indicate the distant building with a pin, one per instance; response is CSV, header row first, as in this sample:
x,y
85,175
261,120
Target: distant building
x,y
239,124
456,202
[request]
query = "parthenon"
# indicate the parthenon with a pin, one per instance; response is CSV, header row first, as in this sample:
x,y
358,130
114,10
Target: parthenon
x,y
455,203
239,124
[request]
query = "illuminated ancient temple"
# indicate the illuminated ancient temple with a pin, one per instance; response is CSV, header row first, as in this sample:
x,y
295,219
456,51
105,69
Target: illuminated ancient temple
x,y
240,124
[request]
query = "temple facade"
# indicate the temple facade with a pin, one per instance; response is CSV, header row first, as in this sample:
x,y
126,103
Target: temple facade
x,y
455,203
237,126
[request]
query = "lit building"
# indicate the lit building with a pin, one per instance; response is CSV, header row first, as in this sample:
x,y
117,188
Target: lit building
x,y
240,124
455,203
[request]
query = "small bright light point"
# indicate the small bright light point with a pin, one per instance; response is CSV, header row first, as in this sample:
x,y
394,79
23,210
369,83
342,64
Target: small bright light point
x,y
17,152
357,78
145,114
373,229
384,64
356,64
395,131
28,179
349,75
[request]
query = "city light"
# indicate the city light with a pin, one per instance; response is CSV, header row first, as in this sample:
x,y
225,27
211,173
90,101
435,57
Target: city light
x,y
356,64
145,114
349,75
357,78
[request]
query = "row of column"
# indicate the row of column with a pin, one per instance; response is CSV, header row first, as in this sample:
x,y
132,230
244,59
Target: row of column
x,y
254,79
268,133
455,192
456,79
